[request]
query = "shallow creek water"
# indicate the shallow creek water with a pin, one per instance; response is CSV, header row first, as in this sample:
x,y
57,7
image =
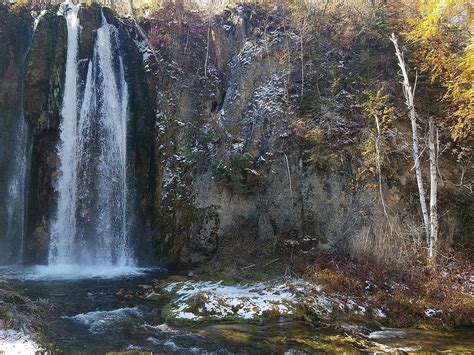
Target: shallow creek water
x,y
87,316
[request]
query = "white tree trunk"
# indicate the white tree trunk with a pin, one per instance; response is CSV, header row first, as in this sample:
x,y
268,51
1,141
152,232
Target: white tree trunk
x,y
302,57
207,45
433,192
289,174
409,94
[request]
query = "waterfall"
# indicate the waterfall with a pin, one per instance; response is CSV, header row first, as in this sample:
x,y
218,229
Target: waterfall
x,y
64,227
90,226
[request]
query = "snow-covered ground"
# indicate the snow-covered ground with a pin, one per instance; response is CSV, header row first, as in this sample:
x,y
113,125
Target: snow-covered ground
x,y
16,342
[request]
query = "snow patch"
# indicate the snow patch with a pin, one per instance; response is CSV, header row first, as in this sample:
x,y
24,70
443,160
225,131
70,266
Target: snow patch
x,y
432,312
219,301
17,342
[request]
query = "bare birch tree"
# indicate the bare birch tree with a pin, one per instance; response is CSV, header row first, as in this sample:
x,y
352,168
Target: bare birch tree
x,y
433,190
207,44
409,94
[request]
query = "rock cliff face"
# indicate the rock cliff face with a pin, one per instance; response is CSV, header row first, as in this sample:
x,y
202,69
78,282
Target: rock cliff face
x,y
15,37
243,153
228,164
234,152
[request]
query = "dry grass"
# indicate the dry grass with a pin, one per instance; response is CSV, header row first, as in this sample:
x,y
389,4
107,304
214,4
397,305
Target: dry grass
x,y
406,294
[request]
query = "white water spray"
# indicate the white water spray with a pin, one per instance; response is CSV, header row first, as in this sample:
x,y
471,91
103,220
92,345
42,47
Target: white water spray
x,y
90,227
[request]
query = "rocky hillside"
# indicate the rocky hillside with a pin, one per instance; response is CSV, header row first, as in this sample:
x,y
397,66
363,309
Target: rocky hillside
x,y
246,151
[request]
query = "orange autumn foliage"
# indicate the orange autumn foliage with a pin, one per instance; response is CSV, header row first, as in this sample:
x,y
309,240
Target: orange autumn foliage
x,y
442,33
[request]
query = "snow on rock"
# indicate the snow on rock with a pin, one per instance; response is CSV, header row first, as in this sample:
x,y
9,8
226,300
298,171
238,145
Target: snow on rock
x,y
144,50
16,342
432,312
201,300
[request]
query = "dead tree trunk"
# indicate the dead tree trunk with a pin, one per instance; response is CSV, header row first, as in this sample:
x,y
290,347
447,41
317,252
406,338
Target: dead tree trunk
x,y
409,94
433,191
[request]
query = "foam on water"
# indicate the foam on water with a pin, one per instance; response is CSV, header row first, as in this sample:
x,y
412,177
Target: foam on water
x,y
98,321
72,272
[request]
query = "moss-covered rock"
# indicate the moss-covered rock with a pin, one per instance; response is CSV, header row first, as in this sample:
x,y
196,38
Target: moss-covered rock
x,y
45,73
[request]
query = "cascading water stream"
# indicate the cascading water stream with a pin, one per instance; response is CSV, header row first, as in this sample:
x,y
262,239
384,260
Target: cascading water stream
x,y
90,227
64,226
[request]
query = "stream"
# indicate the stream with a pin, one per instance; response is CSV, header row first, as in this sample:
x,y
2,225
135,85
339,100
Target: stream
x,y
93,313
